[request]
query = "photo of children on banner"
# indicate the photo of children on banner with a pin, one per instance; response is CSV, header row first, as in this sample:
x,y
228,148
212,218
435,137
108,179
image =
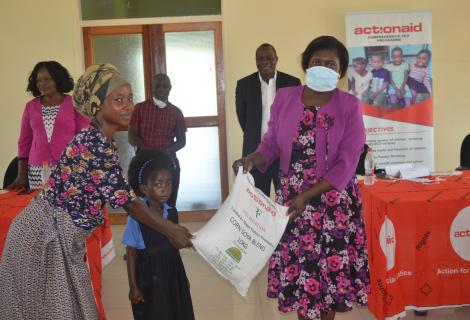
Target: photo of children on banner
x,y
419,79
399,93
392,79
377,93
360,78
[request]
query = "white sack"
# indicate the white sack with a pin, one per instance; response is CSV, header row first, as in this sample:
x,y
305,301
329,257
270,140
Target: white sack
x,y
239,239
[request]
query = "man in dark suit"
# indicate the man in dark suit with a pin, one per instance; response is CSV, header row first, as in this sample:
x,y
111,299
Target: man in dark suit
x,y
254,95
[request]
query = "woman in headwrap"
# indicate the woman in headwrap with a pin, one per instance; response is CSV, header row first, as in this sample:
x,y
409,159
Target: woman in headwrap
x,y
43,273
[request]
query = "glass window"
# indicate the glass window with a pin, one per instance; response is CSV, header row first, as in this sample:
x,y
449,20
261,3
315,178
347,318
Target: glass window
x,y
125,52
188,53
190,64
200,170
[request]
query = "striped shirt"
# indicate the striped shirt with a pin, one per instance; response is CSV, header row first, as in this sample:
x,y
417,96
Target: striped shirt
x,y
157,127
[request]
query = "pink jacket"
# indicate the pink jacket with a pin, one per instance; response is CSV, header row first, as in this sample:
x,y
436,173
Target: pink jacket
x,y
33,144
345,136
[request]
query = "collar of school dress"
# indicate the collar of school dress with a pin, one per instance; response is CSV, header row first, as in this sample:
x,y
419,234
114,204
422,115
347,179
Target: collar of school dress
x,y
165,207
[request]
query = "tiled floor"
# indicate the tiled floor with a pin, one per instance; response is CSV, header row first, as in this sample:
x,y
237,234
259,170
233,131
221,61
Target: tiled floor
x,y
215,299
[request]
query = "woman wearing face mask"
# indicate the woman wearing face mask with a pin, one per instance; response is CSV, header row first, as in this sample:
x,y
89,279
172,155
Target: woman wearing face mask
x,y
320,265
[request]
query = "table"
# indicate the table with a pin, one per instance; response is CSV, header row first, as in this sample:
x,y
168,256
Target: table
x,y
419,244
99,245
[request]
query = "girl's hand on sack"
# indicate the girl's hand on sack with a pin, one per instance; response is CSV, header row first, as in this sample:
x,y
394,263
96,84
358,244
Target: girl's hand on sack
x,y
245,162
297,206
135,296
180,237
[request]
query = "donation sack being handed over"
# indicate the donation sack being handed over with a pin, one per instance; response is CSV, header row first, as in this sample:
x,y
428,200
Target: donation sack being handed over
x,y
238,241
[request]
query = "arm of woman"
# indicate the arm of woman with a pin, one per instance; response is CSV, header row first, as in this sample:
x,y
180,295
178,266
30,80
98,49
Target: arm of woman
x,y
249,162
135,295
26,134
349,150
178,236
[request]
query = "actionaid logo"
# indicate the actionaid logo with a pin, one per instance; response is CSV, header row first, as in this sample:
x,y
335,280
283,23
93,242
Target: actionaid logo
x,y
460,234
407,28
388,242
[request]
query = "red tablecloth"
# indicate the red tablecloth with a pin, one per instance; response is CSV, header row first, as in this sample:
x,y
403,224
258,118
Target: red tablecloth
x,y
419,244
99,245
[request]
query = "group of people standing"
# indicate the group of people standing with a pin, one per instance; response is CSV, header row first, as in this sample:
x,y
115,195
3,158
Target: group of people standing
x,y
306,139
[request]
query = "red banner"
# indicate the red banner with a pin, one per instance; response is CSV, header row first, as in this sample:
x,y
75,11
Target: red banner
x,y
419,244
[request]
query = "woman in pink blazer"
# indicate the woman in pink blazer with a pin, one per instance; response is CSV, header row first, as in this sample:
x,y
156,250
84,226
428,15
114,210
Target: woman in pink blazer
x,y
320,266
48,124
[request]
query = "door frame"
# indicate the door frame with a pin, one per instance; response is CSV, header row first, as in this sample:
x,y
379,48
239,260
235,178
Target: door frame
x,y
154,61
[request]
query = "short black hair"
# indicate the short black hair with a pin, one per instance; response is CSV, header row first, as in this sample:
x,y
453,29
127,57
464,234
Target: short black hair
x,y
426,51
264,46
327,43
397,49
381,56
144,164
361,60
61,76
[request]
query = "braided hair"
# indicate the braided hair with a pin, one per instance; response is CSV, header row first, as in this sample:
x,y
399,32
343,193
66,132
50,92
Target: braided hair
x,y
144,164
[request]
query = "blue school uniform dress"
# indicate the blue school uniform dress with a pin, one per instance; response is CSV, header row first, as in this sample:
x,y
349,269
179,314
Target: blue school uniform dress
x,y
160,273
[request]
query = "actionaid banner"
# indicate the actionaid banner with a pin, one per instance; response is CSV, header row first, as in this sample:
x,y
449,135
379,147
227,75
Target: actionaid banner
x,y
390,71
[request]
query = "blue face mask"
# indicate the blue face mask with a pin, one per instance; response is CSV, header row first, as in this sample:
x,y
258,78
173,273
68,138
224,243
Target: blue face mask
x,y
321,79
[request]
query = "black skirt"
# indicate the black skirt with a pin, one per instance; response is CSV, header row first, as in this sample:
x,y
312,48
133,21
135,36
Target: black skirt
x,y
162,280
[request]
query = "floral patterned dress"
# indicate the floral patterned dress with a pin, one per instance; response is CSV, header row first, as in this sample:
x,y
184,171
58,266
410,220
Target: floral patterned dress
x,y
43,271
87,176
321,262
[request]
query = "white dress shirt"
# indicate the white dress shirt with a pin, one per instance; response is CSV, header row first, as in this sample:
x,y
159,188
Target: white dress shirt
x,y
268,93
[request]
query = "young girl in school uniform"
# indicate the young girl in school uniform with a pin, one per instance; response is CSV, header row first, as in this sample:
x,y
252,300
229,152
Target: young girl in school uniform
x,y
159,288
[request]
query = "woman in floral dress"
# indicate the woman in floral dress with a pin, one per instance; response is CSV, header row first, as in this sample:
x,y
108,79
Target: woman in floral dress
x,y
320,266
43,271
